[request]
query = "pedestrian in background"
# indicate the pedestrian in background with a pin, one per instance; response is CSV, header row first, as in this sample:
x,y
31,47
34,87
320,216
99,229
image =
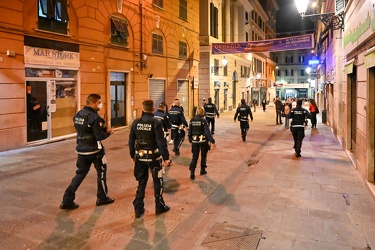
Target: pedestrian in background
x,y
255,102
148,149
264,103
286,110
91,130
211,112
278,107
178,123
298,116
313,111
199,136
243,112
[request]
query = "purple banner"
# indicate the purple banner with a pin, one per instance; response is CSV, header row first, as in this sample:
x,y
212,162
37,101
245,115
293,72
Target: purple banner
x,y
286,43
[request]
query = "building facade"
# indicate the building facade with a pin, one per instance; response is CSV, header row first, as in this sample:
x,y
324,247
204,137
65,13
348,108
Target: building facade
x,y
348,80
246,75
54,53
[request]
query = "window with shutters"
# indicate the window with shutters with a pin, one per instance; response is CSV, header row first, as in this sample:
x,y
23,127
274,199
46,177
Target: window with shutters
x,y
119,31
183,10
182,47
214,21
53,16
158,3
157,44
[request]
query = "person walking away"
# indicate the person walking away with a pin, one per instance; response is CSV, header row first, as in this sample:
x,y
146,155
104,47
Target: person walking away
x,y
313,111
211,112
148,149
199,136
298,116
162,115
255,102
278,107
91,130
264,103
286,110
243,112
178,123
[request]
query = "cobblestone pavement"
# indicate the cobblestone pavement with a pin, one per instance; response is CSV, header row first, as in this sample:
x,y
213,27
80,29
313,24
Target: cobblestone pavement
x,y
298,203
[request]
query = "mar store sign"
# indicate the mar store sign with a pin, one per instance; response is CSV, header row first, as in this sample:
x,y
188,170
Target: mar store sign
x,y
42,56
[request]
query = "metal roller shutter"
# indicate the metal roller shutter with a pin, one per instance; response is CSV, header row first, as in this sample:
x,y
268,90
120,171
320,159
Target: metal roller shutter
x,y
183,95
156,91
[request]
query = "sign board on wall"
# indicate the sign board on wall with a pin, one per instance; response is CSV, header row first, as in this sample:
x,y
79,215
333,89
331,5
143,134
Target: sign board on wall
x,y
43,56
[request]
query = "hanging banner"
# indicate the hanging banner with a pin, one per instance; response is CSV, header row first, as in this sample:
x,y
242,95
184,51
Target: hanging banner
x,y
280,44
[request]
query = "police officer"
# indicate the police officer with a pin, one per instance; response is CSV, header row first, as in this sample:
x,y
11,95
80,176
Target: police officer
x,y
148,148
299,115
178,122
211,111
199,136
243,113
163,116
90,132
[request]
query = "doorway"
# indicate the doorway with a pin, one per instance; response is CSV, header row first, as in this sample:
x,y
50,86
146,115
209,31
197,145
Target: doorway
x,y
118,99
183,95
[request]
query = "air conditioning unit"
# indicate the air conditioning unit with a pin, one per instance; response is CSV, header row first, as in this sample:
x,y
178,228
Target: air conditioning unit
x,y
339,6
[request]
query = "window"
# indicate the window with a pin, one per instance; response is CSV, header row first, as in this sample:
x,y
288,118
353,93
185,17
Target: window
x,y
302,72
277,59
226,70
183,9
214,22
246,16
301,59
53,16
286,72
159,3
216,67
182,48
291,59
119,31
247,36
157,44
286,59
278,73
292,72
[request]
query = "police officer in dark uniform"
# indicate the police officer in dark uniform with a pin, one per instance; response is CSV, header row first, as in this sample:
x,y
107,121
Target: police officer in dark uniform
x,y
299,115
148,148
211,111
90,132
163,116
243,113
178,122
199,136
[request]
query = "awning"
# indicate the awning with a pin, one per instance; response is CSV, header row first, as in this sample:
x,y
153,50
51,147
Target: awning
x,y
349,67
370,58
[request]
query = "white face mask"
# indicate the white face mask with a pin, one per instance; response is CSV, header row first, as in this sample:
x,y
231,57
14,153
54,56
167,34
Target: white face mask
x,y
100,106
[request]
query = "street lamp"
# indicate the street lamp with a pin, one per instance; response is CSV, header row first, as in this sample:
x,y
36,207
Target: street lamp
x,y
308,70
330,20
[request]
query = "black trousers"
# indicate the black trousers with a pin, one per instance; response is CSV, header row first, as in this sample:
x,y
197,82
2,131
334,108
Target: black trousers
x,y
313,119
195,149
212,122
178,136
298,135
278,116
83,167
141,174
244,126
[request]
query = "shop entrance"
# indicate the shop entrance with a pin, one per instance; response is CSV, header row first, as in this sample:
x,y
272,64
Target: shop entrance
x,y
51,106
118,99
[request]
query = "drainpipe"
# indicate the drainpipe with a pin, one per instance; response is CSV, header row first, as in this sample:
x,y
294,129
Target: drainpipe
x,y
141,35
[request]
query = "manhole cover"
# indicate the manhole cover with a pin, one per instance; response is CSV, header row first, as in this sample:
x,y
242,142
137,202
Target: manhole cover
x,y
229,237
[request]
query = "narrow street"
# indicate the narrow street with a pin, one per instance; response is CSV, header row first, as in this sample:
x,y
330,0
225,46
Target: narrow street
x,y
317,201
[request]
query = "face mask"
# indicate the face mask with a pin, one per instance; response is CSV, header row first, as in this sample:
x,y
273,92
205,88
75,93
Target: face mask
x,y
100,106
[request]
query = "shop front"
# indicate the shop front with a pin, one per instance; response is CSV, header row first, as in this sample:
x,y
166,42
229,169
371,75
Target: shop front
x,y
51,84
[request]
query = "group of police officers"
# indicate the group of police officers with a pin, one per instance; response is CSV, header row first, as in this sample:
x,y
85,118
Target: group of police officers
x,y
148,145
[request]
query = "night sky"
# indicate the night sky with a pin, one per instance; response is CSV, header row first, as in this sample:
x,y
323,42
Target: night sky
x,y
289,20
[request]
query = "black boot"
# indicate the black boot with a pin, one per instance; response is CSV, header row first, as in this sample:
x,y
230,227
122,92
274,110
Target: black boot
x,y
192,174
160,206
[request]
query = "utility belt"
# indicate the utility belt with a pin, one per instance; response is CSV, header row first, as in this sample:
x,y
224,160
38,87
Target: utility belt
x,y
182,126
198,138
149,159
145,152
243,119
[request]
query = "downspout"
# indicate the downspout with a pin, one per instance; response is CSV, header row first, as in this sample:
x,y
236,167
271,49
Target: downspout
x,y
141,36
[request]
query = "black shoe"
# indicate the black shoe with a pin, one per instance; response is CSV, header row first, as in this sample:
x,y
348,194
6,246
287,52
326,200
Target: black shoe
x,y
163,209
281,123
243,138
105,201
298,155
69,206
192,175
212,133
139,213
203,172
176,152
277,123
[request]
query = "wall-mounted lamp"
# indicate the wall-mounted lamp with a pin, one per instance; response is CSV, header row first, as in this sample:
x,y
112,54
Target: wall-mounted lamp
x,y
224,61
332,20
150,75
